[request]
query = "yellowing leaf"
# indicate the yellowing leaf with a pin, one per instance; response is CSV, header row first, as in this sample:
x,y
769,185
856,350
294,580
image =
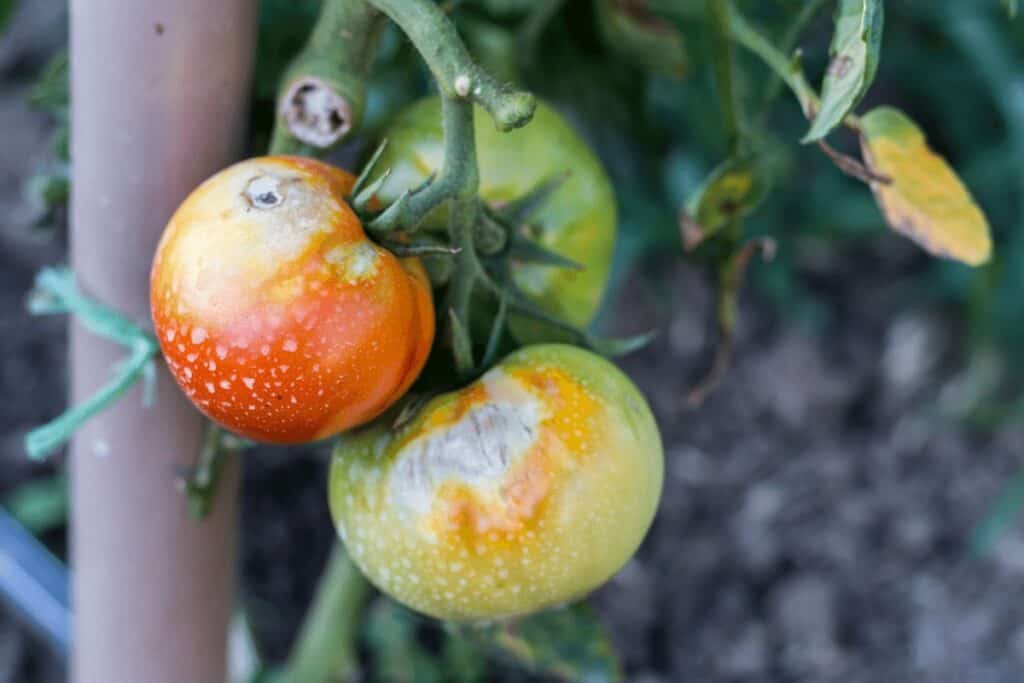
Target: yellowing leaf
x,y
733,190
926,200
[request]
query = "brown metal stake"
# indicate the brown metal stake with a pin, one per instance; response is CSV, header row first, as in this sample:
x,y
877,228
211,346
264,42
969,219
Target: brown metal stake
x,y
159,92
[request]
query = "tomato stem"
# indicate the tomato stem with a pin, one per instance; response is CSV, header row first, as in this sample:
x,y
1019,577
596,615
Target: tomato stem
x,y
200,482
457,76
323,91
325,648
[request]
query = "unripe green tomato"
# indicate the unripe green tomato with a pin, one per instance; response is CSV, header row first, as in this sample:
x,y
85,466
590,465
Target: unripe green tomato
x,y
527,489
577,221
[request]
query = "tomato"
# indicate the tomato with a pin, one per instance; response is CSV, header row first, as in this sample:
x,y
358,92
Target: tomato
x,y
577,221
526,489
276,315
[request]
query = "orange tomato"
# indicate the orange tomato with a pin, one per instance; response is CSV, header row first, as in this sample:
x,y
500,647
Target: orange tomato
x,y
276,314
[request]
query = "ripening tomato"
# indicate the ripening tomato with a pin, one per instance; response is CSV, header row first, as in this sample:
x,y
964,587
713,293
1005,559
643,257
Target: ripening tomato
x,y
577,221
277,316
526,489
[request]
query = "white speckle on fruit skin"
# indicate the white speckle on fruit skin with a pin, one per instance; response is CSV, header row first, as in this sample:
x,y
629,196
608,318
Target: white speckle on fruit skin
x,y
248,382
198,335
478,450
290,345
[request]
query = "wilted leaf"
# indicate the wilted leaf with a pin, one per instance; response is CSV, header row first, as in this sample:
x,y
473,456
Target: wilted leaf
x,y
926,200
568,644
854,54
733,190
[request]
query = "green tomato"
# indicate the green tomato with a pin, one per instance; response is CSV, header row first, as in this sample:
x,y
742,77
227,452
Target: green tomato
x,y
527,489
577,221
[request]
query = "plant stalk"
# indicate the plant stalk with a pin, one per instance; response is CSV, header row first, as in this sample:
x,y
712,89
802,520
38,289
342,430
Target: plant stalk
x,y
325,650
323,92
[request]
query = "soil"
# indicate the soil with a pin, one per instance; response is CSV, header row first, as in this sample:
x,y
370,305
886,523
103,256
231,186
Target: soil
x,y
816,516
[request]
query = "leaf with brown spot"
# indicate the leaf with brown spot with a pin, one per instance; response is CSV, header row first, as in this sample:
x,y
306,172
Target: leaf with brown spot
x,y
733,190
926,200
854,53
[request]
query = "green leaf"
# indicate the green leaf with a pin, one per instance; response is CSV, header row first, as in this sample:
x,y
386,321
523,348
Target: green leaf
x,y
855,49
52,91
1011,8
462,343
733,190
567,644
925,200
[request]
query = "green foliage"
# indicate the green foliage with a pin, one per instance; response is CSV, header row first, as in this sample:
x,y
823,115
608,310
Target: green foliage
x,y
566,644
854,55
396,638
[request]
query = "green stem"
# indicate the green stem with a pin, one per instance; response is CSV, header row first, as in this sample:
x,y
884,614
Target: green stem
x,y
789,44
788,69
723,61
323,92
325,650
457,76
460,83
201,483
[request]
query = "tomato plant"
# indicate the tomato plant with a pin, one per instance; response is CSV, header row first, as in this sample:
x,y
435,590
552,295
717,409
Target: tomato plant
x,y
526,489
277,316
577,220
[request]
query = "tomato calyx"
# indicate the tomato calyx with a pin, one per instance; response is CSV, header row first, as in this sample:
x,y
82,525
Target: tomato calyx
x,y
500,240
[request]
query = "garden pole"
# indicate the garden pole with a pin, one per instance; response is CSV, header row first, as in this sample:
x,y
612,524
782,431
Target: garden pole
x,y
159,95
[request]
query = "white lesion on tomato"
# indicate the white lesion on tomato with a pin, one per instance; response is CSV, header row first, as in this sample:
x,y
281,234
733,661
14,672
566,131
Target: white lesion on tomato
x,y
479,451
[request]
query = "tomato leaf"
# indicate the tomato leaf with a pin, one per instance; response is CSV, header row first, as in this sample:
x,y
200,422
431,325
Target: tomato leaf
x,y
925,200
399,655
855,49
733,190
567,644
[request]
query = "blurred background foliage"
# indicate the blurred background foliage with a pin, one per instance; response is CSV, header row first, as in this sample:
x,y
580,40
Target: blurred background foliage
x,y
650,111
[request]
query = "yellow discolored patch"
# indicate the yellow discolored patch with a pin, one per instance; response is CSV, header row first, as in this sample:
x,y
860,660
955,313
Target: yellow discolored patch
x,y
249,229
353,262
925,200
